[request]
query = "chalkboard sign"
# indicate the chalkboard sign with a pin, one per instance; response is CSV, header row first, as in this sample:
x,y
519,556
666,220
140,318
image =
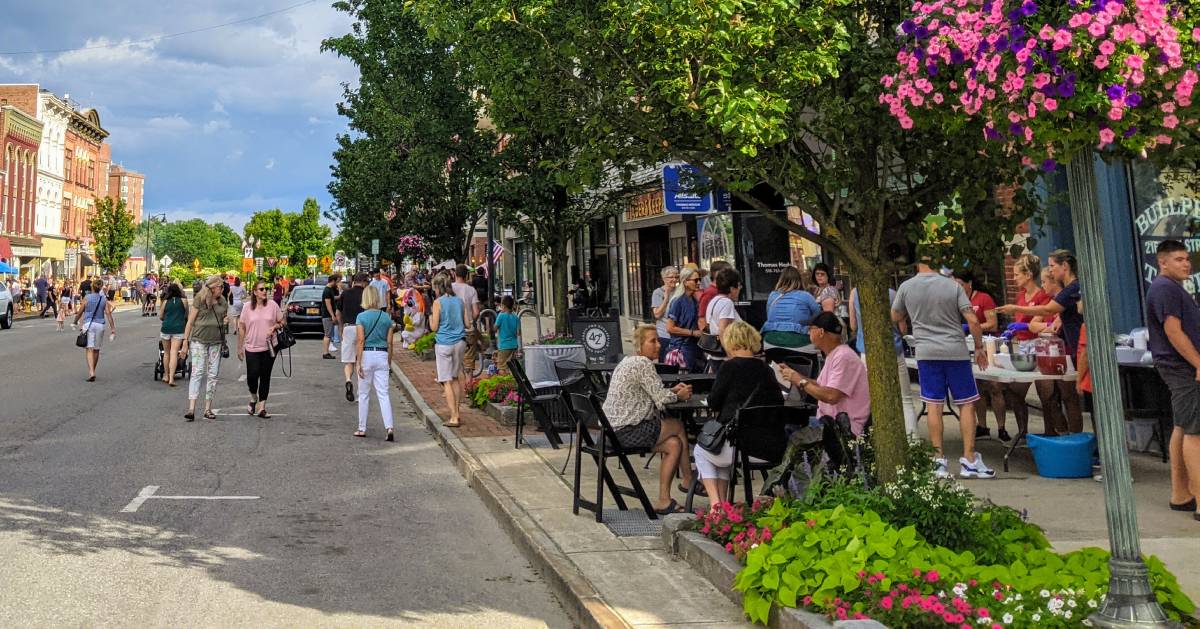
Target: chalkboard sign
x,y
599,332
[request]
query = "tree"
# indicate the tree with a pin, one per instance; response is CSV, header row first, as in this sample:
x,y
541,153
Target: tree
x,y
769,95
309,237
112,226
194,239
416,158
270,227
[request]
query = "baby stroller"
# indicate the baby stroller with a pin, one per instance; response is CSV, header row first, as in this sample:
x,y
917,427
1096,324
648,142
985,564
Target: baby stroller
x,y
183,367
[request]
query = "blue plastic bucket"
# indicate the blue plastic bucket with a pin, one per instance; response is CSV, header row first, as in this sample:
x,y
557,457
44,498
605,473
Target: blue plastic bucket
x,y
1068,456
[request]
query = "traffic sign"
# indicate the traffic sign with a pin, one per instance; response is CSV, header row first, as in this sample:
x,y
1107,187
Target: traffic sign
x,y
374,246
271,262
312,262
283,260
339,259
258,262
247,265
248,252
326,261
165,261
196,265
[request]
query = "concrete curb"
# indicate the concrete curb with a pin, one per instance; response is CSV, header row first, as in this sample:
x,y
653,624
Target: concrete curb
x,y
711,561
574,591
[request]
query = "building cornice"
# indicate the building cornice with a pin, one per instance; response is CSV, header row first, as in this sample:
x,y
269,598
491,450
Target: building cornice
x,y
22,124
87,124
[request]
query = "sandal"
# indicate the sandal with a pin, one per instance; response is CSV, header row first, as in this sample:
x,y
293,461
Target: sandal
x,y
349,391
263,414
189,416
700,490
209,415
391,435
670,508
452,424
360,433
250,407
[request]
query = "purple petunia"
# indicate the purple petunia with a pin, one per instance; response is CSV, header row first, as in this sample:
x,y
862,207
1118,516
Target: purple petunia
x,y
908,26
1115,92
1049,165
1133,99
991,134
921,32
1066,90
1017,32
1016,129
1001,43
957,56
1129,133
931,69
1028,8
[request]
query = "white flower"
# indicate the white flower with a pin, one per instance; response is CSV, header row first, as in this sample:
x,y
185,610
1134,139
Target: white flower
x,y
1092,603
1071,602
1018,596
1036,617
1067,614
1087,623
1007,619
1045,593
753,546
960,589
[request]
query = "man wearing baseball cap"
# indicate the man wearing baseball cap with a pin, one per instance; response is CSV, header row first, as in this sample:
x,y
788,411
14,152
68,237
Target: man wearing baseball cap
x,y
842,383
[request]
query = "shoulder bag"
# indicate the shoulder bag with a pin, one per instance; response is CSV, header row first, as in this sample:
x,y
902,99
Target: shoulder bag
x,y
284,339
711,343
221,328
714,434
81,340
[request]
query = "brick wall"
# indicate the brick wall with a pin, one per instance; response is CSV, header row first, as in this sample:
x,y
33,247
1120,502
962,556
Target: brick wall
x,y
23,97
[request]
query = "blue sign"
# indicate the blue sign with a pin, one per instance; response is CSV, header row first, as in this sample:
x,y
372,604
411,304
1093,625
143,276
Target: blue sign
x,y
682,197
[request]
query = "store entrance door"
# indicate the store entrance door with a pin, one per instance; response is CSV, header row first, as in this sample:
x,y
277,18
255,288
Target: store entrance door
x,y
655,249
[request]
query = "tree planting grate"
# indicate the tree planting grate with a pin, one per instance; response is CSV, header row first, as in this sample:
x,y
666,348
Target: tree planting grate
x,y
631,523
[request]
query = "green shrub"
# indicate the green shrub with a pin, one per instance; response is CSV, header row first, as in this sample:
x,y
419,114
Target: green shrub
x,y
494,389
423,344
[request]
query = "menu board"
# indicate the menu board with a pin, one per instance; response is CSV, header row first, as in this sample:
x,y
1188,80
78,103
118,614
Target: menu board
x,y
1165,208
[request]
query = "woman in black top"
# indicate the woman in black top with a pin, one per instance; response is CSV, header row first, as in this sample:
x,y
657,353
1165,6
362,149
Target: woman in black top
x,y
743,381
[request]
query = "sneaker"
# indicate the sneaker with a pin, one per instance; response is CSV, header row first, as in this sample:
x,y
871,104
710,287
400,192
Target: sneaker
x,y
327,356
976,469
1004,436
939,468
333,347
983,432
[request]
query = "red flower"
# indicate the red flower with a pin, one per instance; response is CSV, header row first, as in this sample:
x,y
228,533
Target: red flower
x,y
886,602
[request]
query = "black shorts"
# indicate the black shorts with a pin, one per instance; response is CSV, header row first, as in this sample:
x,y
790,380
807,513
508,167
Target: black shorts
x,y
643,434
1185,396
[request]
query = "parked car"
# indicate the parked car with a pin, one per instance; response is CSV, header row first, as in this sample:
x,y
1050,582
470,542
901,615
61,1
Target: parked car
x,y
6,307
303,309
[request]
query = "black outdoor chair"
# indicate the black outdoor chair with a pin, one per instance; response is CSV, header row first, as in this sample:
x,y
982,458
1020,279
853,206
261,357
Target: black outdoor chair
x,y
546,404
586,411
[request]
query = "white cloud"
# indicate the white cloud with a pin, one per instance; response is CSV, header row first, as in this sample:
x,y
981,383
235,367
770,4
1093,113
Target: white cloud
x,y
315,120
270,163
218,108
235,154
213,126
172,123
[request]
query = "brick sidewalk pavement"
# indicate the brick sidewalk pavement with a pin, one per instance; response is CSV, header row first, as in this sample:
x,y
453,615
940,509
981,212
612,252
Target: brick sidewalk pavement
x,y
423,375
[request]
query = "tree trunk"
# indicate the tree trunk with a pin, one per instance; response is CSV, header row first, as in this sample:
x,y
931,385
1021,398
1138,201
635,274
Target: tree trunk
x,y
558,266
887,432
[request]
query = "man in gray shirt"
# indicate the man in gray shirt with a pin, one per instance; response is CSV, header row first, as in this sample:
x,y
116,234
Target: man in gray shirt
x,y
937,306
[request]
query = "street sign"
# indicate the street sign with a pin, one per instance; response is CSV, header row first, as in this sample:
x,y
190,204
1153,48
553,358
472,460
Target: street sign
x,y
271,262
165,261
195,265
339,259
283,260
258,262
247,265
326,261
679,195
375,246
312,262
248,252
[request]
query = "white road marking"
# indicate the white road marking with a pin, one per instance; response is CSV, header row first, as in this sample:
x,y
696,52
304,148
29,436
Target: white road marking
x,y
148,493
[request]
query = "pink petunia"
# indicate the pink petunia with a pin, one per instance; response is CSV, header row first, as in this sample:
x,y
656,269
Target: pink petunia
x,y
1107,47
1170,121
1101,62
1196,34
1106,137
1096,29
1162,139
1135,62
1050,104
1116,113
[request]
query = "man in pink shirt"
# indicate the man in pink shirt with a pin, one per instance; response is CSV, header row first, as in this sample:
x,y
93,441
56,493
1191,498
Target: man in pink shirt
x,y
842,384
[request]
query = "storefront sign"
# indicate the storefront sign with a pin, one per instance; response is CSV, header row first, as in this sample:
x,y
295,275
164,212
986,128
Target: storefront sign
x,y
644,205
682,186
1174,218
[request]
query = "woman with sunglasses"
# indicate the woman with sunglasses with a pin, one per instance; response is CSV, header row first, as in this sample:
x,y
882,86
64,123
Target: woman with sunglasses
x,y
203,338
259,321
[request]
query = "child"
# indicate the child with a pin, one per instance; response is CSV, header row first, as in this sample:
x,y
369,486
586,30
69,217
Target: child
x,y
64,304
508,330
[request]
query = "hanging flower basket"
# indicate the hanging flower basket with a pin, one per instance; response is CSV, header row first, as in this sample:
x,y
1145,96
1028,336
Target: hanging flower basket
x,y
413,247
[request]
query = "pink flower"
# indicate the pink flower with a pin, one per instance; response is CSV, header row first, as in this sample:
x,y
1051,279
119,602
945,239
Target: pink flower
x,y
1106,137
1047,33
998,596
1116,113
886,602
948,617
807,601
1196,34
1096,29
1050,104
841,613
812,523
1135,61
1101,62
1162,139
931,576
1107,47
1170,121
983,612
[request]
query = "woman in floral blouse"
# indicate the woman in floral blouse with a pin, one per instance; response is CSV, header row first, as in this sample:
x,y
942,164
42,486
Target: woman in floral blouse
x,y
636,398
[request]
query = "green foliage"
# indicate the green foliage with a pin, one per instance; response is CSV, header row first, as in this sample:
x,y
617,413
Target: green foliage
x,y
424,344
494,389
270,227
216,245
112,226
308,236
834,558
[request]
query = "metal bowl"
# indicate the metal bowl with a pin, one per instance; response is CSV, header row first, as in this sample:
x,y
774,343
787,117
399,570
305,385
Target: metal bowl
x,y
1024,362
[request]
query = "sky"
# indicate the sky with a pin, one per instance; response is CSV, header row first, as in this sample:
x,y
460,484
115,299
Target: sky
x,y
223,123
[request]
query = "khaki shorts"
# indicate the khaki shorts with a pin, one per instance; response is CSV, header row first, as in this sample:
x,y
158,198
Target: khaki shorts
x,y
349,346
449,360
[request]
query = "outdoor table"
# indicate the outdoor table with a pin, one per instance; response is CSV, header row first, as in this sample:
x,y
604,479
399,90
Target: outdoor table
x,y
600,367
1004,376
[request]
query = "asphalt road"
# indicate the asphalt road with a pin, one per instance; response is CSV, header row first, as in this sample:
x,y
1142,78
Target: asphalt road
x,y
345,532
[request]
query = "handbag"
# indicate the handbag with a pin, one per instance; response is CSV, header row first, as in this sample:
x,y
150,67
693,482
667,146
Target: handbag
x,y
711,343
714,433
221,328
81,340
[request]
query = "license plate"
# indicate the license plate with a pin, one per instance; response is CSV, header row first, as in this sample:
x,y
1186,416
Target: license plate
x,y
312,311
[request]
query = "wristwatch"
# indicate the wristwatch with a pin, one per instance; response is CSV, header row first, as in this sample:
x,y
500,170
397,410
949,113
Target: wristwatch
x,y
804,382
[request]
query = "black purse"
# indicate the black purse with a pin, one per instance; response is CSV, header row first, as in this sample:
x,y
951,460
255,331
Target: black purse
x,y
81,340
284,339
221,327
713,433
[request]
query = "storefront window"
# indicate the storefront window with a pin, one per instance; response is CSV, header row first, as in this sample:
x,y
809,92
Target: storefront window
x,y
766,250
1165,207
716,240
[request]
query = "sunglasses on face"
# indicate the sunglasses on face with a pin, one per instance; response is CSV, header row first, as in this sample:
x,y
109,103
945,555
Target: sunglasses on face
x,y
261,288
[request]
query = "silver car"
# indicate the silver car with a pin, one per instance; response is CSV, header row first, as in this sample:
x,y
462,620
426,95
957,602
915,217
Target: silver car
x,y
6,307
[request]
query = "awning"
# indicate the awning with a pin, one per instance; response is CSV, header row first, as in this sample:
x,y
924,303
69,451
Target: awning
x,y
4,268
6,252
86,260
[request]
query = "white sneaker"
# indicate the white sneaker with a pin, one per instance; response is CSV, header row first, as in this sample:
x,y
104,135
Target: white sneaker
x,y
939,468
333,347
976,469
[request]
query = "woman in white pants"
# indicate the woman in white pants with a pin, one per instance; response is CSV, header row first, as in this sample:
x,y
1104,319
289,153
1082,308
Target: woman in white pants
x,y
374,337
203,338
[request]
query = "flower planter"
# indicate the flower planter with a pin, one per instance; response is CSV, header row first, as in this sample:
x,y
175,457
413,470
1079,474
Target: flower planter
x,y
504,414
426,355
540,361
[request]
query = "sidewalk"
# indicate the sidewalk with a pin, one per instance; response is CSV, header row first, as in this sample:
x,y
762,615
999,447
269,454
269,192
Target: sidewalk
x,y
636,581
603,579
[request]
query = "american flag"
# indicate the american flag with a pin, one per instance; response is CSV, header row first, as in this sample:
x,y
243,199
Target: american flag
x,y
497,252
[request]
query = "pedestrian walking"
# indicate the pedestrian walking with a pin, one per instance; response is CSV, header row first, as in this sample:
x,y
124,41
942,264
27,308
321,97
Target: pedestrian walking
x,y
449,320
470,300
257,327
936,305
508,332
64,304
351,306
237,300
204,338
374,357
329,315
174,317
1174,322
95,312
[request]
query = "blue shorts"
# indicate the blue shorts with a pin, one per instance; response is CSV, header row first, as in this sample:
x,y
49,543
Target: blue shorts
x,y
941,376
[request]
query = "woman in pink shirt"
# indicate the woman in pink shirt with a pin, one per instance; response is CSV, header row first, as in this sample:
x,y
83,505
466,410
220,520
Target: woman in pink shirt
x,y
261,317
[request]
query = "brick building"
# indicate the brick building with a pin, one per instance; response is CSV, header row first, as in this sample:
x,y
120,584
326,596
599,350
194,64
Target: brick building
x,y
85,177
128,186
20,138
